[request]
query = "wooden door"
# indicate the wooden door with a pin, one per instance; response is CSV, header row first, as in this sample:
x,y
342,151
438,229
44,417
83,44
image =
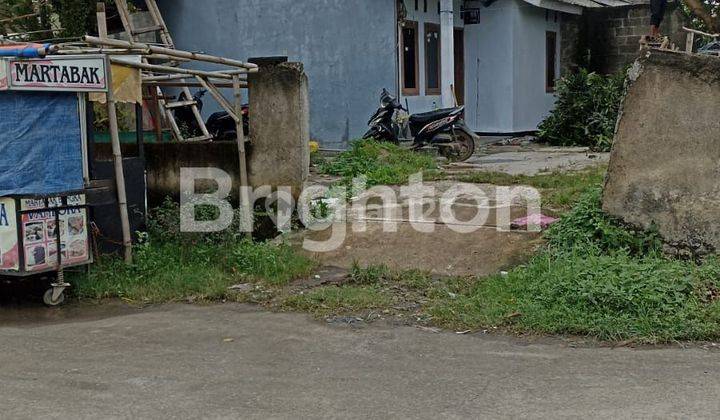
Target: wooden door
x,y
460,65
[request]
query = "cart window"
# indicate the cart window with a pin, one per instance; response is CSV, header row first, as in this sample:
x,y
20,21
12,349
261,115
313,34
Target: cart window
x,y
40,143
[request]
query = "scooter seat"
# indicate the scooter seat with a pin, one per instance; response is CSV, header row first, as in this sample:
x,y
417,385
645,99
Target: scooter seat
x,y
427,117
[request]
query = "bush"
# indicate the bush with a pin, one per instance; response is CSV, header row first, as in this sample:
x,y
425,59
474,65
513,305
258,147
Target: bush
x,y
586,111
587,226
381,163
598,278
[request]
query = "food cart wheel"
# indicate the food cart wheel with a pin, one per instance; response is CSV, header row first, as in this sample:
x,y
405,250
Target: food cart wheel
x,y
51,298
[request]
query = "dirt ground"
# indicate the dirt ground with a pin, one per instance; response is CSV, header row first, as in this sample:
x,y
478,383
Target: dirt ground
x,y
445,251
233,361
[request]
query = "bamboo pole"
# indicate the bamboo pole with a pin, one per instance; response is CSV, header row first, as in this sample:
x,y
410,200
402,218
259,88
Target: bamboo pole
x,y
168,69
245,205
168,77
219,98
171,52
116,148
223,85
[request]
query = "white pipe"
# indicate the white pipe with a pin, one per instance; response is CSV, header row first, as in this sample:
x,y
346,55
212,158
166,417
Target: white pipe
x,y
447,52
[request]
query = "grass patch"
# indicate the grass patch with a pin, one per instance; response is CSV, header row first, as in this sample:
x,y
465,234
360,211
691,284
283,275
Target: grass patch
x,y
595,278
172,266
560,190
382,163
338,299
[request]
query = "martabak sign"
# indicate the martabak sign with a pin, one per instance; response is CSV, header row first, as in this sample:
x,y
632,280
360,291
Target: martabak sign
x,y
74,74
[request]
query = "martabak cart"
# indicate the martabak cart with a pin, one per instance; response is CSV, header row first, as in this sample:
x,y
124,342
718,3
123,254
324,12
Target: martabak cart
x,y
44,218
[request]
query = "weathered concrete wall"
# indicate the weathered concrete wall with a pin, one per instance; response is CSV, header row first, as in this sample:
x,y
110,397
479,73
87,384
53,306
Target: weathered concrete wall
x,y
348,49
614,33
280,152
664,163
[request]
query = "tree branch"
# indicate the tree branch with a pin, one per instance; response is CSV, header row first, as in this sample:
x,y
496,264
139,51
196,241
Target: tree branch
x,y
697,7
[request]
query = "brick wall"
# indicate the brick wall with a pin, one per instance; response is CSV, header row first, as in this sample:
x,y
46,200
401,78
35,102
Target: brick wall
x,y
572,38
614,33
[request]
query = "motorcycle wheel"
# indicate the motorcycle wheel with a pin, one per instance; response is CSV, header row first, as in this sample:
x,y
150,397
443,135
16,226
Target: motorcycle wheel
x,y
462,149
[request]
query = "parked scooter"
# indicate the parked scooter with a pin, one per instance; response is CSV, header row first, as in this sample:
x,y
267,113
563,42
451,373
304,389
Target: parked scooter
x,y
220,124
443,129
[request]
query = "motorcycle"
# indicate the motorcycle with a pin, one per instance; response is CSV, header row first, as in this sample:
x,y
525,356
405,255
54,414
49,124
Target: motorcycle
x,y
220,124
443,129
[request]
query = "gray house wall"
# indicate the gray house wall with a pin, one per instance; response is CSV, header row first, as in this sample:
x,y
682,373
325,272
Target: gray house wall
x,y
505,67
531,101
348,49
489,64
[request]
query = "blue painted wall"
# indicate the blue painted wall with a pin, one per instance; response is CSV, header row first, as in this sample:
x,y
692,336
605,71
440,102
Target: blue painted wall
x,y
347,47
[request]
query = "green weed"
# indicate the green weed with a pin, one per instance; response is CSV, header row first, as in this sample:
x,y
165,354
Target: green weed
x,y
338,299
381,163
560,190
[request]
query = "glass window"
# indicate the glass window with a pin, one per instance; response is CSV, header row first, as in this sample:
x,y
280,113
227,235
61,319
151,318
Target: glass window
x,y
550,60
409,45
432,59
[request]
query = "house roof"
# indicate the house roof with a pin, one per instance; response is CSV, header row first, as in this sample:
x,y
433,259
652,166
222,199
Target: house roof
x,y
576,6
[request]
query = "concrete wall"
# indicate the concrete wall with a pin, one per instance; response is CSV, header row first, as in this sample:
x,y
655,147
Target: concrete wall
x,y
280,153
664,162
347,47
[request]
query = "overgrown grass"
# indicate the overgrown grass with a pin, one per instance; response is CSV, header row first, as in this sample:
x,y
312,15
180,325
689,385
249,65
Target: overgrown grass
x,y
381,163
333,299
596,278
170,266
611,297
560,190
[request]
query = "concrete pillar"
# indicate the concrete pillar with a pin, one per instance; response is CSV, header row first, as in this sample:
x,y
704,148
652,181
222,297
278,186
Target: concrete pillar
x,y
279,154
447,52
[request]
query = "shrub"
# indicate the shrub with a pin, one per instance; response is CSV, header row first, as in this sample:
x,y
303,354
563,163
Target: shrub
x,y
586,111
381,163
586,225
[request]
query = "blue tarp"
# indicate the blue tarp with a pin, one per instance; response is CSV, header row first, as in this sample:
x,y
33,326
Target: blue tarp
x,y
25,50
40,143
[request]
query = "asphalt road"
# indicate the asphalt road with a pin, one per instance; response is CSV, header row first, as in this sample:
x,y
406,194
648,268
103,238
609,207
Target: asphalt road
x,y
232,361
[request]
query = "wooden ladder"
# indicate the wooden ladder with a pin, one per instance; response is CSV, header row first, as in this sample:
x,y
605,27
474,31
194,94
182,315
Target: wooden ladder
x,y
160,28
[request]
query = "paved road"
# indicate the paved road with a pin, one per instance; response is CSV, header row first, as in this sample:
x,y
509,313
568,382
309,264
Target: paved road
x,y
235,362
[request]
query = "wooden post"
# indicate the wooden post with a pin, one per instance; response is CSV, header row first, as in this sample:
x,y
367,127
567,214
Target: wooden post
x,y
245,204
119,172
689,42
101,21
116,148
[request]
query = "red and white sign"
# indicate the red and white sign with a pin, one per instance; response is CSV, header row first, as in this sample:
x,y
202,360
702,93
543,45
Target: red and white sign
x,y
75,74
3,76
9,255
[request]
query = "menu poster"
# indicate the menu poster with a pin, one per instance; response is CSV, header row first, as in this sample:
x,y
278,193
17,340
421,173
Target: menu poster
x,y
40,238
37,230
74,243
9,255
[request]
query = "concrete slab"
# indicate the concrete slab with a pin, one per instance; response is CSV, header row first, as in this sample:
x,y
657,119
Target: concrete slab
x,y
231,361
532,161
459,246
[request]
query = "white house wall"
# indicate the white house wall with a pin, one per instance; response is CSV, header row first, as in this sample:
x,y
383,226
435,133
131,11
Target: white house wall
x,y
488,65
424,102
531,102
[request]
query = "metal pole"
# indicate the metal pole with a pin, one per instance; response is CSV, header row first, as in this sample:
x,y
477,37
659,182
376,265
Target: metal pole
x,y
447,52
